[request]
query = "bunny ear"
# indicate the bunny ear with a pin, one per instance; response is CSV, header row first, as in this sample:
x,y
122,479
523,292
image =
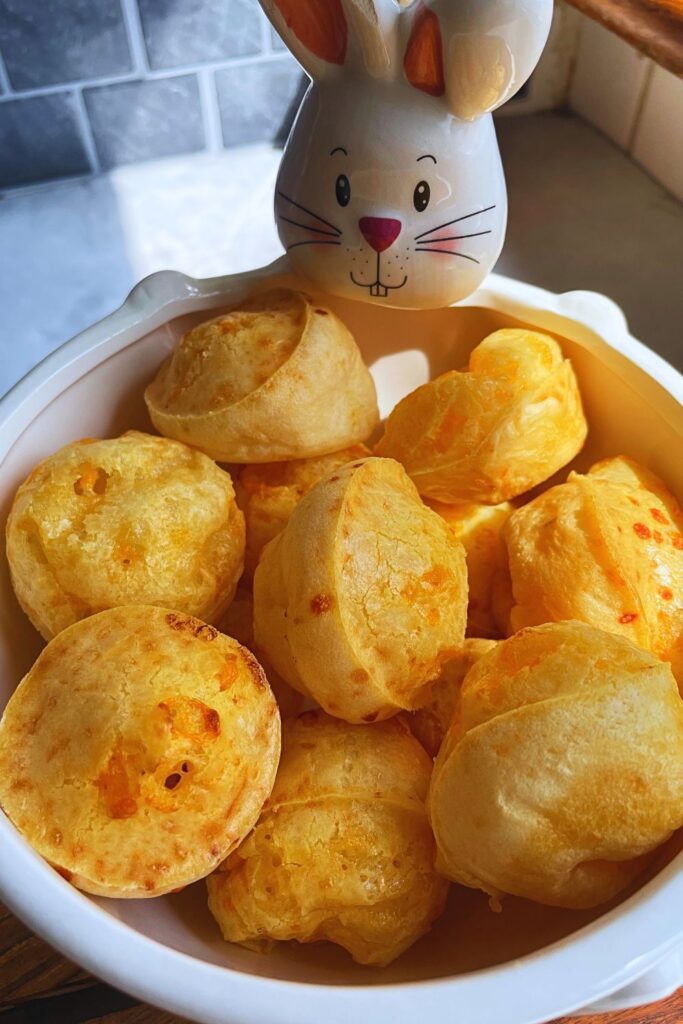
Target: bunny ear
x,y
372,23
490,47
325,33
423,62
315,31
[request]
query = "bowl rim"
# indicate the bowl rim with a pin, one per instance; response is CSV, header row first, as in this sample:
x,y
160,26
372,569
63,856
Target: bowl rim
x,y
589,965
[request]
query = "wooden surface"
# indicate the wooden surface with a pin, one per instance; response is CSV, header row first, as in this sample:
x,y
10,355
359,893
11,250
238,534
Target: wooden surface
x,y
37,986
653,26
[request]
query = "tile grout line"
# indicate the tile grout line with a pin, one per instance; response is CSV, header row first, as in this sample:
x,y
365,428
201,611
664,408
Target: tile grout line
x,y
573,64
136,36
211,116
640,106
30,187
4,78
67,180
149,76
86,131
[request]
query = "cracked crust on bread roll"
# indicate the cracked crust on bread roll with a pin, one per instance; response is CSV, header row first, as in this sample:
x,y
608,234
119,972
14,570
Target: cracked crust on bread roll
x,y
363,596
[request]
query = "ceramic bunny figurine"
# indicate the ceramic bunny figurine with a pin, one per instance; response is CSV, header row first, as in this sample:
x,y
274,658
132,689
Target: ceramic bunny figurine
x,y
391,187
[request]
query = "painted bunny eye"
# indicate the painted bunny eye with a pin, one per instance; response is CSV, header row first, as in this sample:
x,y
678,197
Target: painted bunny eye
x,y
421,196
343,190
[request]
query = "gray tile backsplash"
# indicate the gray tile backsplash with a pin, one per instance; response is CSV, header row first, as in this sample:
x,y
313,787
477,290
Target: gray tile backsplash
x,y
181,32
134,121
40,138
253,105
48,42
90,84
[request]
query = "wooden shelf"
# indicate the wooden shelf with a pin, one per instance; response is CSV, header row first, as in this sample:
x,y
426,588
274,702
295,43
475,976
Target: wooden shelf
x,y
653,26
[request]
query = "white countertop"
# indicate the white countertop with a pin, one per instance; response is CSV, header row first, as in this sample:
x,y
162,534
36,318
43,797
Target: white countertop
x,y
582,215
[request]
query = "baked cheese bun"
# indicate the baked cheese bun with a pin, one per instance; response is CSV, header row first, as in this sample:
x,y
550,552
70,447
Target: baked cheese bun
x,y
563,769
238,622
479,529
363,596
431,722
605,548
343,852
491,433
269,492
132,520
278,378
138,751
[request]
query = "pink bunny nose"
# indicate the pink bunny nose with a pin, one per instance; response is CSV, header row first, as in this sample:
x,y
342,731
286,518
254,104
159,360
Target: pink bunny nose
x,y
380,232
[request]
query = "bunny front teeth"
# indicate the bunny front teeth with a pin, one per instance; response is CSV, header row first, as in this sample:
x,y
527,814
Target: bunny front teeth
x,y
379,290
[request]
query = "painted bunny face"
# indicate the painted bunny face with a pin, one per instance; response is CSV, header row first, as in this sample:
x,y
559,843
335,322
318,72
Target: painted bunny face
x,y
391,188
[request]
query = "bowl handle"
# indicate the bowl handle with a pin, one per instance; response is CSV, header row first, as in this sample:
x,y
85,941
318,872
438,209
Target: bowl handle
x,y
595,310
660,982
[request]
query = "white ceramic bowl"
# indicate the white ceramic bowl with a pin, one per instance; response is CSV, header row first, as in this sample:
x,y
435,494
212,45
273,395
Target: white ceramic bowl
x,y
528,964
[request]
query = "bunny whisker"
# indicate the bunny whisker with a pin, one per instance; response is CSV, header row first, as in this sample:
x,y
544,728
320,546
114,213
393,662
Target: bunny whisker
x,y
457,238
457,220
448,252
310,213
307,227
313,241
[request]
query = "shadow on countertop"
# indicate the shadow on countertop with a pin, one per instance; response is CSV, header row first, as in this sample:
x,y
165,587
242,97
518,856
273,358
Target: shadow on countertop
x,y
583,215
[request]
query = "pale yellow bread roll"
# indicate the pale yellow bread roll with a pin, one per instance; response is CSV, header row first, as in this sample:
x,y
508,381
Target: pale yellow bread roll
x,y
605,548
431,722
269,492
138,751
238,622
363,596
275,379
491,433
479,529
343,851
135,519
563,769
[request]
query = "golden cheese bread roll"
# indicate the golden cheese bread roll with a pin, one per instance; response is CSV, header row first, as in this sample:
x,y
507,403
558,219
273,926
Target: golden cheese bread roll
x,y
563,769
269,492
238,622
675,657
343,852
277,378
363,596
132,520
623,470
431,722
479,529
507,424
138,751
501,598
605,548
